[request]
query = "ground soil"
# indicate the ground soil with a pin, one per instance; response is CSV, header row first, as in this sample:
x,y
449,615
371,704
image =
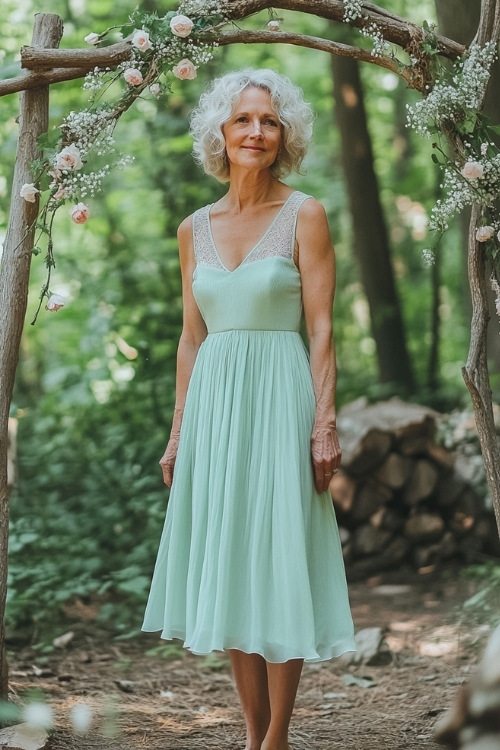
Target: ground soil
x,y
145,694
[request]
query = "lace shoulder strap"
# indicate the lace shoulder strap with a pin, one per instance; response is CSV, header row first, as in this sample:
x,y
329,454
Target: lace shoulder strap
x,y
280,238
204,253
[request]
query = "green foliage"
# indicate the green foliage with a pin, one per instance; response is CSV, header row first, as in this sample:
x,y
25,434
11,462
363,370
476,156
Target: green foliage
x,y
484,604
95,385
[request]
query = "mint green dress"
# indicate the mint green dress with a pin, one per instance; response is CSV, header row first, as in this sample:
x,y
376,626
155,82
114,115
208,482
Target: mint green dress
x,y
250,556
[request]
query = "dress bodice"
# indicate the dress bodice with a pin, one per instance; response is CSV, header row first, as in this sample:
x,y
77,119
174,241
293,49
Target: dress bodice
x,y
264,292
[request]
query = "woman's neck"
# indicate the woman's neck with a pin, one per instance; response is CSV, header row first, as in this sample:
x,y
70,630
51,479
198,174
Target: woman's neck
x,y
250,188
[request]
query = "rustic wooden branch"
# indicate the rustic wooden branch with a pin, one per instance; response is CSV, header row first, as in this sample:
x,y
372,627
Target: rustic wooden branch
x,y
28,81
313,42
87,58
393,28
14,277
53,66
475,372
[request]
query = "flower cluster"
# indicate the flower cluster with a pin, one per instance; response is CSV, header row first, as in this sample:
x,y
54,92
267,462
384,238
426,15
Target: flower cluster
x,y
81,152
452,99
353,10
453,105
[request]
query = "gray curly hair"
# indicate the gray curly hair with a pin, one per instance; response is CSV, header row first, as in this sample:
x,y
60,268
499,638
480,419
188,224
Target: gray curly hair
x,y
215,108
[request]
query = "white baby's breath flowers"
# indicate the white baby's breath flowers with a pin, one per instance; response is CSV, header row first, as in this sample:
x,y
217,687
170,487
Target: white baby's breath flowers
x,y
428,257
155,89
451,100
353,10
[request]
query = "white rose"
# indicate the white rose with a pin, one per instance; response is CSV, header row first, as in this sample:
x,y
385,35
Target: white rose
x,y
184,70
181,25
140,39
92,38
79,213
69,158
29,192
155,89
133,76
498,236
273,25
80,715
484,233
38,715
55,302
472,170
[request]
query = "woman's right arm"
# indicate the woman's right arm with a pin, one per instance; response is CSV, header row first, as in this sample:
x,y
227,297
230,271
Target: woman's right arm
x,y
193,334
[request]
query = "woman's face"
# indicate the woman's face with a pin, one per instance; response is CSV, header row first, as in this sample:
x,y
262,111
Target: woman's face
x,y
253,132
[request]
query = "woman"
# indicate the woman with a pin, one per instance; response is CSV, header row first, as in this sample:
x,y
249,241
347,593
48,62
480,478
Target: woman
x,y
250,559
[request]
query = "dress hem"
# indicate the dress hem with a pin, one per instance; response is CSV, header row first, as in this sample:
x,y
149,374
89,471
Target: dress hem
x,y
333,652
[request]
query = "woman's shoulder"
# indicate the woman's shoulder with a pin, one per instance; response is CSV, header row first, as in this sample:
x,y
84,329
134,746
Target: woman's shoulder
x,y
185,228
311,212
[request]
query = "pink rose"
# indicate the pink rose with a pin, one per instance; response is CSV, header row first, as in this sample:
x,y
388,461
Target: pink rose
x,y
60,194
69,158
472,170
29,192
55,302
273,25
184,70
498,236
91,38
484,233
79,213
140,39
181,25
133,76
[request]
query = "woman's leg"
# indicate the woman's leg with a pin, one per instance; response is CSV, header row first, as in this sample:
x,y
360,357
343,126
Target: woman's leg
x,y
250,674
283,681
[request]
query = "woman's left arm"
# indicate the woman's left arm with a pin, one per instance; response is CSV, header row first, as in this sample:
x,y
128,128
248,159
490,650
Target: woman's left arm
x,y
316,263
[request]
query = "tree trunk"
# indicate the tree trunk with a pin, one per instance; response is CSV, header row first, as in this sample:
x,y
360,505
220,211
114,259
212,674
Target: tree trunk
x,y
475,372
459,21
14,277
370,237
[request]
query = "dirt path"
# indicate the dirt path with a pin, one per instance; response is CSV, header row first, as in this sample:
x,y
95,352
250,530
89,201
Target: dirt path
x,y
141,699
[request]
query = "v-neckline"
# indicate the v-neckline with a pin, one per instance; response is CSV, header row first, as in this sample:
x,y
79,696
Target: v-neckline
x,y
254,247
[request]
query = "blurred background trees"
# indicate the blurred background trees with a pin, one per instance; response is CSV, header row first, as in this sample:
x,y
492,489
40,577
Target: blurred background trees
x,y
95,385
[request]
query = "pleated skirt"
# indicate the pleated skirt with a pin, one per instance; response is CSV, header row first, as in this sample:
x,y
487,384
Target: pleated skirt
x,y
250,556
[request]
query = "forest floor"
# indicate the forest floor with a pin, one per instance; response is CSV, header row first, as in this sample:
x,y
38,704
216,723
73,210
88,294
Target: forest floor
x,y
145,694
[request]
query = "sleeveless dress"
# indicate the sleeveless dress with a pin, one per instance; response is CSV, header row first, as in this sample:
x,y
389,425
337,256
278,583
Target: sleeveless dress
x,y
250,556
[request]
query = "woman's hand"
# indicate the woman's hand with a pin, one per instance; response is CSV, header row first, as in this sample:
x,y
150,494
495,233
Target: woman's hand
x,y
326,455
167,461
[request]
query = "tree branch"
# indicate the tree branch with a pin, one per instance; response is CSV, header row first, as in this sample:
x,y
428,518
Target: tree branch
x,y
393,28
334,48
33,80
89,58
